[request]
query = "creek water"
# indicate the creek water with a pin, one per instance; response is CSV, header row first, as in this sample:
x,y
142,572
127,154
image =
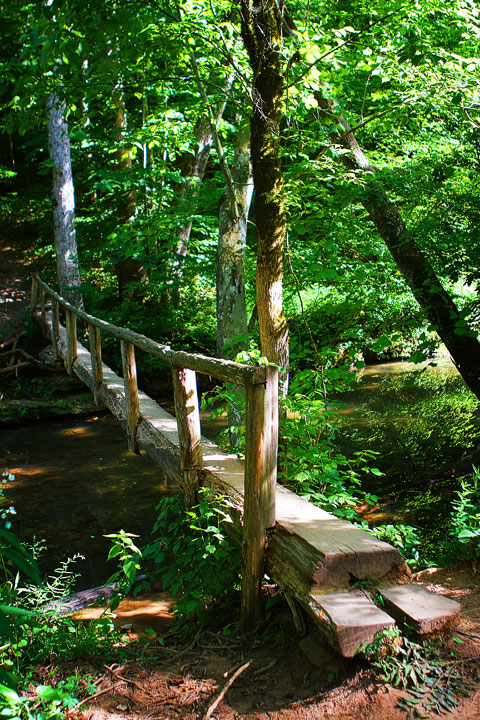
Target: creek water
x,y
75,481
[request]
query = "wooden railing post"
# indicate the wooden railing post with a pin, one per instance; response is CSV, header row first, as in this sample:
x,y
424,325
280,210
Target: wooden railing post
x,y
261,447
131,393
97,366
56,327
42,304
188,423
34,296
71,328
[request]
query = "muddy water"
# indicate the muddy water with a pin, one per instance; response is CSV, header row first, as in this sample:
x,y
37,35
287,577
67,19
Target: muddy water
x,y
75,481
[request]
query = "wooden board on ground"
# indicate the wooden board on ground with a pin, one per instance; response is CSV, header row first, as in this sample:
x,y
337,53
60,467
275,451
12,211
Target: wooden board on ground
x,y
423,610
349,619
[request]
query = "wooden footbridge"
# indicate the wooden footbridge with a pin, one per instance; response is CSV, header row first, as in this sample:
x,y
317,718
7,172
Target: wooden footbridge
x,y
318,560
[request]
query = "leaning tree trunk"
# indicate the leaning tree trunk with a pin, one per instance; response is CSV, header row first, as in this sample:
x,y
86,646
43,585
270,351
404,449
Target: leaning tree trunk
x,y
262,35
459,339
63,198
232,319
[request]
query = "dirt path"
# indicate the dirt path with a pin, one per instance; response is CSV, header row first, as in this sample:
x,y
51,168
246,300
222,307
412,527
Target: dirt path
x,y
282,675
14,288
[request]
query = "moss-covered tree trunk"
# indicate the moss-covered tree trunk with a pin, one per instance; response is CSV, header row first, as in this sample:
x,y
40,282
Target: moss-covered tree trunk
x,y
460,340
262,36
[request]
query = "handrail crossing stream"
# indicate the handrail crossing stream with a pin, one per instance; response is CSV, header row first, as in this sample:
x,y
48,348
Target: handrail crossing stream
x,y
350,584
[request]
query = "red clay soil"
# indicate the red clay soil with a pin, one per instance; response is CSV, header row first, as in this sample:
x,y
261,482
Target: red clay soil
x,y
276,680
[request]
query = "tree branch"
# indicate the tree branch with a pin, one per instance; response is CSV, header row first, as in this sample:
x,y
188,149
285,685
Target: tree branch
x,y
216,138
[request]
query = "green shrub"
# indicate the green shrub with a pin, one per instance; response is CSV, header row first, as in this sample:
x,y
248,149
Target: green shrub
x,y
193,557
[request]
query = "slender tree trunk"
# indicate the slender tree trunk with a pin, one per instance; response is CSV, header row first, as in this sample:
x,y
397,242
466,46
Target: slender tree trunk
x,y
193,166
63,197
460,340
262,35
231,306
129,269
232,321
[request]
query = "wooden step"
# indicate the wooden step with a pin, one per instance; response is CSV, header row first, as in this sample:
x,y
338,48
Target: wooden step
x,y
423,610
349,619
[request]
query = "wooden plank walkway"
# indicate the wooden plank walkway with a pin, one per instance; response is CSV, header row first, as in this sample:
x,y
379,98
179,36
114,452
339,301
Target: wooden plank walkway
x,y
313,556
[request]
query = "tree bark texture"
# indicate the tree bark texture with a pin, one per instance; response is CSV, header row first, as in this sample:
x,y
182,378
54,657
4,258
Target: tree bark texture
x,y
442,312
129,269
262,36
63,198
231,306
193,166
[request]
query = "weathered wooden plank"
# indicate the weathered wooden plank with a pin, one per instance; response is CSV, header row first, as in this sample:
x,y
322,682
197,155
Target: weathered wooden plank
x,y
349,619
96,355
131,394
187,411
261,444
424,611
71,323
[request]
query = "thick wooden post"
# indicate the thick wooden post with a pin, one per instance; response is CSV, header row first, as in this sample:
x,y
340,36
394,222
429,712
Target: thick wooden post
x,y
96,355
131,393
71,328
56,327
261,448
34,296
188,423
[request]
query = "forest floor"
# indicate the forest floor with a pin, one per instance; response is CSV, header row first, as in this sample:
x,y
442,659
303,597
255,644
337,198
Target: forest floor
x,y
279,675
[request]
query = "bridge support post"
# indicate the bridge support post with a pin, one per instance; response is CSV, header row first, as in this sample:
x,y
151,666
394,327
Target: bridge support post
x,y
188,423
261,447
42,304
131,393
56,327
97,366
71,328
34,296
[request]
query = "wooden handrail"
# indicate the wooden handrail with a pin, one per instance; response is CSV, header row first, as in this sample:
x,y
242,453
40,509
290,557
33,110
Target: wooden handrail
x,y
261,422
218,368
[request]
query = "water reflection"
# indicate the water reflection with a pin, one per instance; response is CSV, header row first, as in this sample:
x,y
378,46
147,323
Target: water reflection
x,y
74,482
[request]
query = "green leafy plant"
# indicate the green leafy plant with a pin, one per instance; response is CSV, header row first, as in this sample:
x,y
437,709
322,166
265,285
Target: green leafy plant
x,y
434,685
403,537
465,520
128,557
194,558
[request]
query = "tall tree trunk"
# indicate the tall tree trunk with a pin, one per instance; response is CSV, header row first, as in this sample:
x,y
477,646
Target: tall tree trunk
x,y
262,35
460,340
231,306
232,321
193,166
63,198
129,269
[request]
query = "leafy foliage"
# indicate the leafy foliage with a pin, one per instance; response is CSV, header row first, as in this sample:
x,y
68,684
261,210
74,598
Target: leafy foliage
x,y
434,686
194,558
